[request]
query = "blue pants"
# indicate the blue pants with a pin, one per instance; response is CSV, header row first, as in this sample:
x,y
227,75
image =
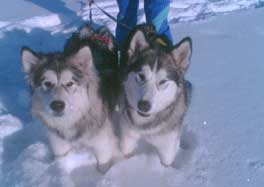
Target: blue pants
x,y
156,14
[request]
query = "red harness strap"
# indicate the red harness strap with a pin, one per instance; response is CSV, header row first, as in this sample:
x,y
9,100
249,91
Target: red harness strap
x,y
105,40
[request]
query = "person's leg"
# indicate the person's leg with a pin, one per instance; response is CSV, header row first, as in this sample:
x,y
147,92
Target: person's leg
x,y
157,14
128,16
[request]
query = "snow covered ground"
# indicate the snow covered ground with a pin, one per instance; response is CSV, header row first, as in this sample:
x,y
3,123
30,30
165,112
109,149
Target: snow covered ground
x,y
224,124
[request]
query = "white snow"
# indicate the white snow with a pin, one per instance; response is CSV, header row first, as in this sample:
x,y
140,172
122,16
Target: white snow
x,y
3,23
224,130
8,125
42,22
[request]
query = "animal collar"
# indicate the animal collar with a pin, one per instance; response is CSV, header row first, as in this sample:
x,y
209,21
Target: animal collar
x,y
99,39
161,42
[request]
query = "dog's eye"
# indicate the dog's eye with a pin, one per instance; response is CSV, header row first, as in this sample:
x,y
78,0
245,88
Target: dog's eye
x,y
48,84
162,82
141,77
69,84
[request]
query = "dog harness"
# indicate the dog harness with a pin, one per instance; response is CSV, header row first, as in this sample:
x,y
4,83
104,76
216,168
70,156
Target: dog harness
x,y
99,39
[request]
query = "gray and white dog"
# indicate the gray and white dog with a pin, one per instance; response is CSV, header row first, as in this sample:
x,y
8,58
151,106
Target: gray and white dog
x,y
155,94
70,97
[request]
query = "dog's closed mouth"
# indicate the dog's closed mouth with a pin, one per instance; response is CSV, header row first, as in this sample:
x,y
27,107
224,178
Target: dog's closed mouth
x,y
143,114
58,114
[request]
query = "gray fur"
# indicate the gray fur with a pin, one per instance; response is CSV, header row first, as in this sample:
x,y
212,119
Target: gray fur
x,y
86,121
153,73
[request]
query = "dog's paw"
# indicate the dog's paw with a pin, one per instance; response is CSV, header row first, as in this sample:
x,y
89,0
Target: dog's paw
x,y
129,155
167,164
183,158
103,168
127,151
167,159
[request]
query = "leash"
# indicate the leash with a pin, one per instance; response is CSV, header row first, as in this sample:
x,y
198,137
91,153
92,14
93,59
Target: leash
x,y
107,14
90,11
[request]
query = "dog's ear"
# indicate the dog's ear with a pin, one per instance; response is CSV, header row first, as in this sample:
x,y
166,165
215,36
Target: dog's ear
x,y
83,59
181,54
137,43
29,59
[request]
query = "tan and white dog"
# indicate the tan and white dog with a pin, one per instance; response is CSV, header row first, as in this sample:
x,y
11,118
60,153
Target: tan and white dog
x,y
70,97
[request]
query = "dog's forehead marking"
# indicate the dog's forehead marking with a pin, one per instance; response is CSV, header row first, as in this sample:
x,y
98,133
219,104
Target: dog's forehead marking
x,y
162,73
66,75
156,69
151,58
151,64
155,65
157,74
150,69
50,75
146,69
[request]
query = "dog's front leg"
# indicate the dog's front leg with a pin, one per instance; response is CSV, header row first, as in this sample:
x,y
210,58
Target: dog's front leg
x,y
105,148
59,146
167,146
128,142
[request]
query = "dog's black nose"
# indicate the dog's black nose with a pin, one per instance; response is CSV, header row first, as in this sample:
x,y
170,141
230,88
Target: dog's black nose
x,y
144,106
57,106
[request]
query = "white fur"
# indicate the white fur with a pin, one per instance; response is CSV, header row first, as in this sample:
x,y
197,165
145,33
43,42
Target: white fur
x,y
182,55
76,102
104,144
59,146
138,42
28,60
160,97
129,139
167,144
